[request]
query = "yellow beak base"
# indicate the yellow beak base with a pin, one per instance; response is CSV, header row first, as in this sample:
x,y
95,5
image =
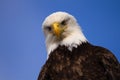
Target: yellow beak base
x,y
57,30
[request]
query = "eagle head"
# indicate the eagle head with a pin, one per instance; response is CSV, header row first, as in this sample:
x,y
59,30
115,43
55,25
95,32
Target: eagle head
x,y
61,28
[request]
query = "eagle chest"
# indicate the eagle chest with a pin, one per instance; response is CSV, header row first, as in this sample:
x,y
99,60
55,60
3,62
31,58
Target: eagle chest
x,y
63,62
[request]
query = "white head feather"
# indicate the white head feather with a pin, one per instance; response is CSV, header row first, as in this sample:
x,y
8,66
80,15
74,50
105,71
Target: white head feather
x,y
73,33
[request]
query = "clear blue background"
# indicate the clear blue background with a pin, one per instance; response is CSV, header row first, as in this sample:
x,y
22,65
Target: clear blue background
x,y
22,43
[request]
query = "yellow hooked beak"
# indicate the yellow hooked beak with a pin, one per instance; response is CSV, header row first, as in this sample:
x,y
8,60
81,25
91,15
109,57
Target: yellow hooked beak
x,y
58,29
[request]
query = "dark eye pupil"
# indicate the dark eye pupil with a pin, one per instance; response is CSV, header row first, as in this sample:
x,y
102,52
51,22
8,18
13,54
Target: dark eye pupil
x,y
49,28
63,22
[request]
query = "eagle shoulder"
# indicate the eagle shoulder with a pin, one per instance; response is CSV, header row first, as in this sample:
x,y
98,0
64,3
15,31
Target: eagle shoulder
x,y
109,62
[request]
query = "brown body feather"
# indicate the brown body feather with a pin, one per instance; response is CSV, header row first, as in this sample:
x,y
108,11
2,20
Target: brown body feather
x,y
86,62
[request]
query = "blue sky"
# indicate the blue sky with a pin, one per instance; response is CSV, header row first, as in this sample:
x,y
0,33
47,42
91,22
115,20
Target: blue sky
x,y
22,42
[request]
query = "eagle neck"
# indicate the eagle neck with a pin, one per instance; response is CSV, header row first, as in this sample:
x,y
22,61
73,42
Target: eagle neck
x,y
73,40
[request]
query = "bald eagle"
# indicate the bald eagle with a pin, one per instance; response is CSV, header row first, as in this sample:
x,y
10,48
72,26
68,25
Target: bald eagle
x,y
71,56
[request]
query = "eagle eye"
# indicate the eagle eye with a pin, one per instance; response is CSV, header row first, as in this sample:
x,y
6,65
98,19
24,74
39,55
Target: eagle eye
x,y
63,22
48,28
